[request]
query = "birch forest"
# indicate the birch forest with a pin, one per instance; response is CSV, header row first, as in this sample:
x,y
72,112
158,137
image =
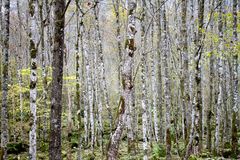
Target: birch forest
x,y
120,79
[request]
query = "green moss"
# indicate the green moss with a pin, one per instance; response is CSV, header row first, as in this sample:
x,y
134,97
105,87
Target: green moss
x,y
5,69
193,157
33,50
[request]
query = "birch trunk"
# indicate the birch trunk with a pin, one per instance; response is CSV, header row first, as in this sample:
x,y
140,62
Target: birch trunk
x,y
127,82
116,7
211,91
5,81
145,127
44,69
77,94
103,74
99,108
235,82
33,49
20,67
69,122
220,76
185,77
88,59
154,88
85,63
198,79
159,66
47,60
83,83
152,97
166,86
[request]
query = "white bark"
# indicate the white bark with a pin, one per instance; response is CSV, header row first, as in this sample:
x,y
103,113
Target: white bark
x,y
33,37
155,95
220,84
88,58
19,68
145,127
127,83
103,74
166,86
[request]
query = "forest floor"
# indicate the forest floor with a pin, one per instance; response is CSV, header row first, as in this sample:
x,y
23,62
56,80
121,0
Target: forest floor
x,y
157,153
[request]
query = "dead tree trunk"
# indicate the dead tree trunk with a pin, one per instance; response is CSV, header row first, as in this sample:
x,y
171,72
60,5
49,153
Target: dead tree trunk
x,y
127,82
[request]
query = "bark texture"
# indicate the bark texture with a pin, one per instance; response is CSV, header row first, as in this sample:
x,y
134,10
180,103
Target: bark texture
x,y
145,127
5,78
57,81
220,83
166,86
33,49
127,83
184,79
235,82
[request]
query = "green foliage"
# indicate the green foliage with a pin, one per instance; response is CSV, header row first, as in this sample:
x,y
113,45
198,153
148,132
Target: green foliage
x,y
158,151
25,72
90,156
193,157
205,154
227,153
44,146
227,145
180,148
16,148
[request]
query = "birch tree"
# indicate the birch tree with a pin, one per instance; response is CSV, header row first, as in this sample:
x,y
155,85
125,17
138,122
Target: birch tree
x,y
5,78
166,86
235,81
127,83
102,66
44,57
184,79
211,76
154,83
20,66
159,66
198,80
33,50
220,76
77,94
143,80
116,6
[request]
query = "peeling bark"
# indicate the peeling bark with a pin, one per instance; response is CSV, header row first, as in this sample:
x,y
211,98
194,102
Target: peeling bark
x,y
127,82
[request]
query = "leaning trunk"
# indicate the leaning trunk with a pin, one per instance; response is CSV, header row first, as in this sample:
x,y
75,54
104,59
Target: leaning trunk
x,y
127,82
